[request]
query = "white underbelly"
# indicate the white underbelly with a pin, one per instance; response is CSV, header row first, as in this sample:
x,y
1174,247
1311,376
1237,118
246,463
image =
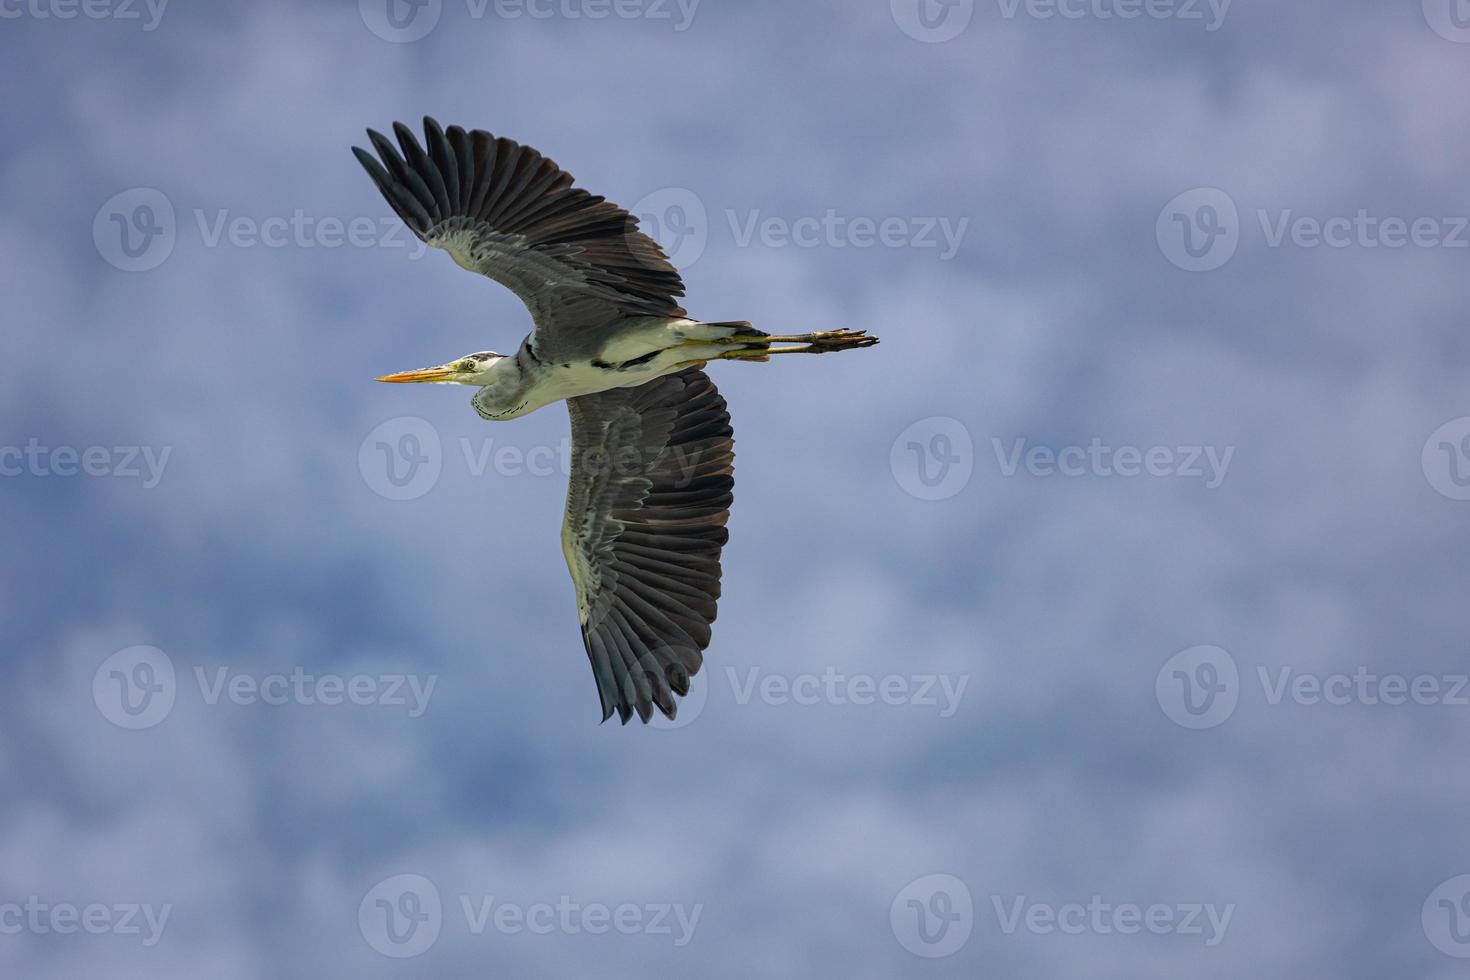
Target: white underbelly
x,y
626,362
588,378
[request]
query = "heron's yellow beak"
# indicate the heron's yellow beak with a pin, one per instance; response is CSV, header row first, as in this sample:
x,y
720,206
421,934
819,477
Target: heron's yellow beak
x,y
423,374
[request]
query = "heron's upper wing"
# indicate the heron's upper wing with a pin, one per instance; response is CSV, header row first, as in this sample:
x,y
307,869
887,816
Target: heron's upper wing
x,y
649,497
576,260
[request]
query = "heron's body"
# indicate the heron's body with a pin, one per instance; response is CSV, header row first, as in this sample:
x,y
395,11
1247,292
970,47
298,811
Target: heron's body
x,y
651,348
651,479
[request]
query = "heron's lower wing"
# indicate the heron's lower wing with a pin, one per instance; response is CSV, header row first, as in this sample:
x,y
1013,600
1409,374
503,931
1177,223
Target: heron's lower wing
x,y
578,261
649,497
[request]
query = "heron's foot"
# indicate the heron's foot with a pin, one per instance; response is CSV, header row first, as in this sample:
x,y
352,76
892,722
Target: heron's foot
x,y
822,342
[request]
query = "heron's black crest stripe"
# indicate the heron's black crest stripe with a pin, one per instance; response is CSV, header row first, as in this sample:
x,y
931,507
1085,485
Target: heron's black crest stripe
x,y
650,494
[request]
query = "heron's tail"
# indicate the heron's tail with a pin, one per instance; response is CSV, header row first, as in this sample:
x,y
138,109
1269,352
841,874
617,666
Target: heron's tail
x,y
733,330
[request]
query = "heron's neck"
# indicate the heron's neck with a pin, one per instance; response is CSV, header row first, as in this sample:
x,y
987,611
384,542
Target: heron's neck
x,y
508,391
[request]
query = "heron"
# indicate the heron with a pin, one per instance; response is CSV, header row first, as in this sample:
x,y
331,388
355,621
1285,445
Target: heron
x,y
651,480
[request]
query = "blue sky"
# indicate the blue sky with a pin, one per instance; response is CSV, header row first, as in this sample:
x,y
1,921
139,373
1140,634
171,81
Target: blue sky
x,y
1100,622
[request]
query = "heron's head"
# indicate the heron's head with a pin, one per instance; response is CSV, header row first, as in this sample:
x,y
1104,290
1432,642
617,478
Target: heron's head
x,y
472,369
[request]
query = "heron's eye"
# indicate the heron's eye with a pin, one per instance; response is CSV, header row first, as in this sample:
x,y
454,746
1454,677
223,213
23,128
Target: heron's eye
x,y
467,365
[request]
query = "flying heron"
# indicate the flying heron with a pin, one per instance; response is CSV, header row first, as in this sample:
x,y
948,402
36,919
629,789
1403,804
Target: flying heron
x,y
652,447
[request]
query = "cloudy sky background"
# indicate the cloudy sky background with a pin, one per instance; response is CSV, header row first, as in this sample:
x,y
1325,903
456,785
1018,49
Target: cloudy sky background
x,y
1054,147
